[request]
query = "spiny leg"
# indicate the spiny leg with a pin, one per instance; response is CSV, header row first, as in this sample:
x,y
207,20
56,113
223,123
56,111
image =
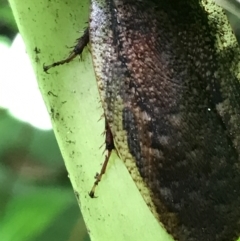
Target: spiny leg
x,y
109,147
78,49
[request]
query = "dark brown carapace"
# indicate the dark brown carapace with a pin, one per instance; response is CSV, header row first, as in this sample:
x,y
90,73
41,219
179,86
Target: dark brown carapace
x,y
167,73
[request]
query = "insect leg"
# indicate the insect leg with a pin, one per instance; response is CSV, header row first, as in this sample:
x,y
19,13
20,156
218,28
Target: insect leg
x,y
109,147
78,49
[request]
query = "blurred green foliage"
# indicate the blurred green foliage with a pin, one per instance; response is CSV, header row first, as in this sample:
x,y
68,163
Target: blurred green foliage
x,y
36,198
8,26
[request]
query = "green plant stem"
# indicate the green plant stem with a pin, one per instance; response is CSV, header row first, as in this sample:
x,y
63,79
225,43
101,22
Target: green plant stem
x,y
72,100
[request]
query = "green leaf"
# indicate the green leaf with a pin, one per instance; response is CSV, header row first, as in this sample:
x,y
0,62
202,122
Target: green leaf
x,y
27,215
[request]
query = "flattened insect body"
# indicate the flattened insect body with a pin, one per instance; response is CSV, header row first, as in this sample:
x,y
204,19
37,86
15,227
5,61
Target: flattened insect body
x,y
173,105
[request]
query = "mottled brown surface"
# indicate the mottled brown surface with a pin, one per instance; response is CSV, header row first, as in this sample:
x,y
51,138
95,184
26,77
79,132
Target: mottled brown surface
x,y
167,74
